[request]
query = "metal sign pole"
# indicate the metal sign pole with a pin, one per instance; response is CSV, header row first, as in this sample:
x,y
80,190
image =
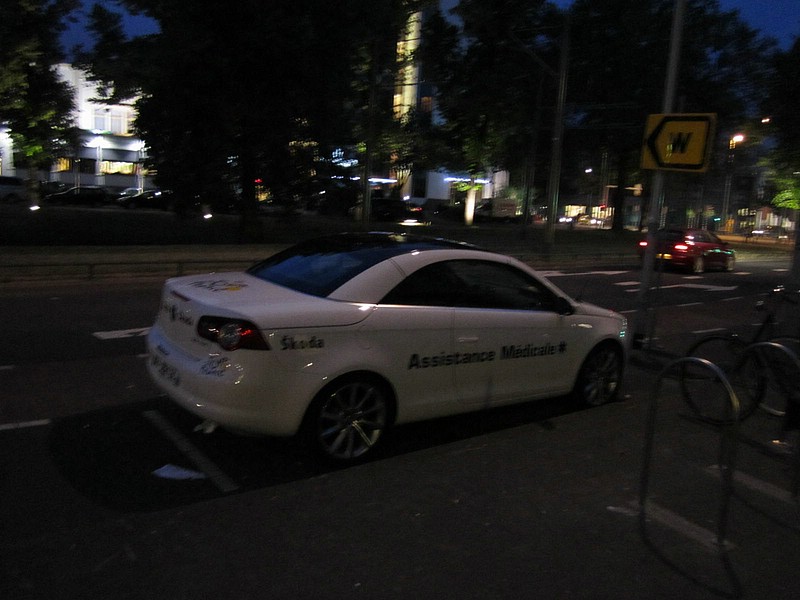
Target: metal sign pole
x,y
640,334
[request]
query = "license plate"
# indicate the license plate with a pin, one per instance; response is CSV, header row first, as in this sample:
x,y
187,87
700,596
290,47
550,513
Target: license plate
x,y
165,370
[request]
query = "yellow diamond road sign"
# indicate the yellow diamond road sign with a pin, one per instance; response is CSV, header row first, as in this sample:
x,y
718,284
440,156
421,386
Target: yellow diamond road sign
x,y
679,142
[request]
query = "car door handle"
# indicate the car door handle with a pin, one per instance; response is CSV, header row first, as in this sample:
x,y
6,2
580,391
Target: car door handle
x,y
470,339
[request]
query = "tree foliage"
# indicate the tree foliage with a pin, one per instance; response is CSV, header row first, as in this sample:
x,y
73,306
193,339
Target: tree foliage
x,y
486,62
234,92
618,69
34,104
784,110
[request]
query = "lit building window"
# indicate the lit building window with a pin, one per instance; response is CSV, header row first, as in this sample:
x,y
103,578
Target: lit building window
x,y
426,104
101,119
111,167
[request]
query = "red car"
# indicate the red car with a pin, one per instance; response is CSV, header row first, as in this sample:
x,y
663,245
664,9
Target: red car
x,y
693,249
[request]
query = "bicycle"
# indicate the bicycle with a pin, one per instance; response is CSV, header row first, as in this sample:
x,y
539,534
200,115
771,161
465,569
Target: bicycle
x,y
763,375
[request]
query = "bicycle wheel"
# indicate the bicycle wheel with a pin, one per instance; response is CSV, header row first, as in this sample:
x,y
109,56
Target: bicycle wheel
x,y
782,374
704,393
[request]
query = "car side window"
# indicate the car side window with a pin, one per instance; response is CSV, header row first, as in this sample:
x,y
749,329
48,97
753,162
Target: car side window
x,y
473,284
433,285
495,285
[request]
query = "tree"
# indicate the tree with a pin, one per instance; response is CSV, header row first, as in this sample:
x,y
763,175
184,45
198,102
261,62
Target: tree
x,y
618,66
784,111
486,65
34,104
782,106
230,93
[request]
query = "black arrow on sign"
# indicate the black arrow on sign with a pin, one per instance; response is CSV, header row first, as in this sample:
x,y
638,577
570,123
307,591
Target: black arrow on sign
x,y
654,151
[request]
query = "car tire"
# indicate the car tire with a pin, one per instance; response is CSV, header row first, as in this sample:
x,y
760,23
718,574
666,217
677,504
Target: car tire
x,y
348,418
600,377
730,263
698,265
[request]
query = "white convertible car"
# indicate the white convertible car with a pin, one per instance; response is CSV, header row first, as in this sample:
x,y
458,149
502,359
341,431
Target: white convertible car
x,y
340,337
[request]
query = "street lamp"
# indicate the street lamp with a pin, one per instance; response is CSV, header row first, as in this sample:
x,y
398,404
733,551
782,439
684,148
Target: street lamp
x,y
726,196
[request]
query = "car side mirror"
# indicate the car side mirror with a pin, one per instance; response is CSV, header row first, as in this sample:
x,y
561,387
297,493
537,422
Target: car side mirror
x,y
563,306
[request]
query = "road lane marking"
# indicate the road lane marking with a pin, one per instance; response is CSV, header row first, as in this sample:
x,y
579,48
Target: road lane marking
x,y
121,333
224,483
563,274
695,286
25,424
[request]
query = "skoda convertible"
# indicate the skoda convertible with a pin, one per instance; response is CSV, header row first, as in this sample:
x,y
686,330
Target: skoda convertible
x,y
338,338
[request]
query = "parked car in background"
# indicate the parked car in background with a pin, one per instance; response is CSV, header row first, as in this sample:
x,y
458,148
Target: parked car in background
x,y
335,197
693,249
12,189
88,195
771,232
131,191
498,209
146,199
51,187
392,210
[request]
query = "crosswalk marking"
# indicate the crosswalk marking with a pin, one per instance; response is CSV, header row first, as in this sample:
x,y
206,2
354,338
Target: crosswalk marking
x,y
121,333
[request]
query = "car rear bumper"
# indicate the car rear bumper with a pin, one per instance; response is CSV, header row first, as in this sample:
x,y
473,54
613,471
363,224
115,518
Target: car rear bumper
x,y
234,390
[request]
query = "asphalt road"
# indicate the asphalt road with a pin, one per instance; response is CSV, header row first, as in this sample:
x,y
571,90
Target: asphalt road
x,y
108,491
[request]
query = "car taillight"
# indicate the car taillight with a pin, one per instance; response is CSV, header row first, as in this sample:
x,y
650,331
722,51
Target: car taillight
x,y
643,243
231,334
681,247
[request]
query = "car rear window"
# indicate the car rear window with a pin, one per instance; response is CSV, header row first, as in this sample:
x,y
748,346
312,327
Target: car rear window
x,y
671,235
320,266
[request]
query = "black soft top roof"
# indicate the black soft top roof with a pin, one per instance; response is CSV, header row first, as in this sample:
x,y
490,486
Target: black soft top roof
x,y
321,265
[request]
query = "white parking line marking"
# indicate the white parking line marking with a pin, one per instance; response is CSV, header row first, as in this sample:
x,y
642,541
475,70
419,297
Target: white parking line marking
x,y
562,274
667,518
25,424
121,333
190,451
758,485
704,331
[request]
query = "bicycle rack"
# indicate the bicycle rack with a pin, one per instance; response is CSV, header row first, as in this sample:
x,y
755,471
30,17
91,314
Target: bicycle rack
x,y
728,445
790,392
